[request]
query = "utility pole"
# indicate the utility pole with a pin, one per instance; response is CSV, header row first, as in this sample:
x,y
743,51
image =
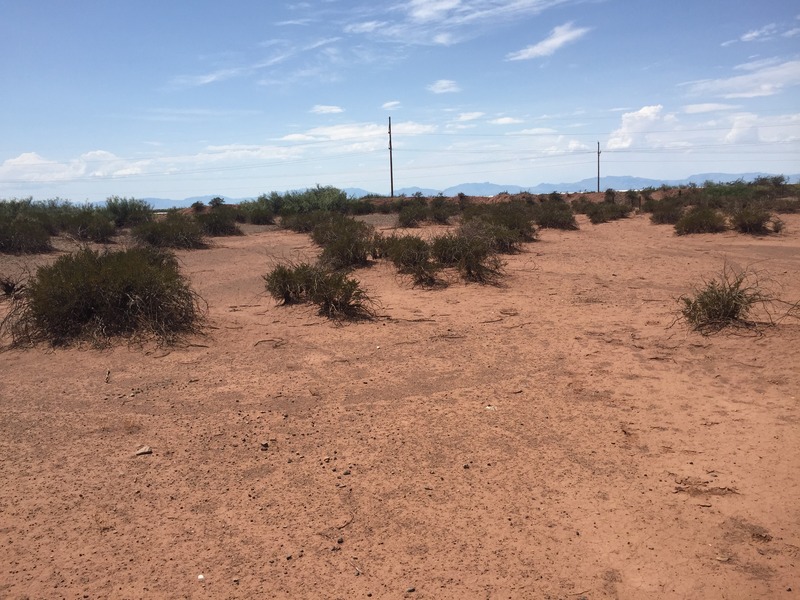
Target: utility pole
x,y
391,168
598,167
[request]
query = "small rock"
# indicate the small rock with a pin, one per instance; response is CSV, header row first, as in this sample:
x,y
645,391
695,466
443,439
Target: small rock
x,y
411,590
236,580
466,466
201,577
340,541
347,472
265,445
144,450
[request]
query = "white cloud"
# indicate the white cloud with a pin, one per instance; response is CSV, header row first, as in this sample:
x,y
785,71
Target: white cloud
x,y
431,10
365,27
755,65
469,116
325,109
444,86
694,109
634,125
505,121
391,105
763,33
559,37
765,82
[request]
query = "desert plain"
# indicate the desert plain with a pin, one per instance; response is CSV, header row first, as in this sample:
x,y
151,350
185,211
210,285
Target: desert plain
x,y
557,436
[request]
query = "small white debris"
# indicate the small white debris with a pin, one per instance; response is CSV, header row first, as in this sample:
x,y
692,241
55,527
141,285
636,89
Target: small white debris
x,y
144,450
201,577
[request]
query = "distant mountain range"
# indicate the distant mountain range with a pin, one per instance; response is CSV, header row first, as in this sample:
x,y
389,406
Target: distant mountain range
x,y
491,189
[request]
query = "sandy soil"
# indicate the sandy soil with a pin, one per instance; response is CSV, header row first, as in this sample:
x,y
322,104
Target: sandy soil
x,y
549,438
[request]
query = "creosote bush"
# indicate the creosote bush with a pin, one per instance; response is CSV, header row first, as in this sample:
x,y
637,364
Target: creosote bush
x,y
345,242
23,235
175,231
127,212
336,295
411,255
471,251
603,212
665,212
700,219
219,221
723,302
555,213
750,218
95,296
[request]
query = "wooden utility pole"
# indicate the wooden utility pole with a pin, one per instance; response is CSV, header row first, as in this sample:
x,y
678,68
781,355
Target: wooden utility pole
x,y
598,167
391,168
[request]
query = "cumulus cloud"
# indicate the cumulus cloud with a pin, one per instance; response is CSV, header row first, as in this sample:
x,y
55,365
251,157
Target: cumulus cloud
x,y
634,125
558,38
444,86
326,109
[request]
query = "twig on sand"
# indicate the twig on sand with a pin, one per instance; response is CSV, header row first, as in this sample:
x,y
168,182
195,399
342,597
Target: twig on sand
x,y
276,342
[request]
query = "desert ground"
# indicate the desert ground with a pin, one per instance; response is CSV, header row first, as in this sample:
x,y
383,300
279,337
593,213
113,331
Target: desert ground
x,y
558,436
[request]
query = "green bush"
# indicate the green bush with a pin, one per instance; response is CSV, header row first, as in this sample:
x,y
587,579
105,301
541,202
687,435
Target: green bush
x,y
507,224
411,255
175,231
440,210
470,251
700,219
555,213
336,295
89,223
345,242
723,302
219,221
127,212
95,296
412,213
581,205
665,212
257,212
305,222
23,235
604,212
750,218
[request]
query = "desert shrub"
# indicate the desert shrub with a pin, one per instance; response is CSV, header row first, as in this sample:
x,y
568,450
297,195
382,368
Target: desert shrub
x,y
127,212
219,221
175,231
555,213
610,196
260,211
783,205
198,206
360,207
23,235
603,212
305,222
411,255
581,205
345,242
412,213
470,251
91,295
336,295
440,210
10,286
750,218
508,224
666,211
319,198
216,202
723,301
89,223
700,219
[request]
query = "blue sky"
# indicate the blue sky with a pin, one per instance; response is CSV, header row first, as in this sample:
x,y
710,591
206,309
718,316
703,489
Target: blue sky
x,y
176,99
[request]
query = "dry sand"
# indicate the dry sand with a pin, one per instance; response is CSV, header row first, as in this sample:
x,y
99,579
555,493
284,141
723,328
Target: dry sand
x,y
549,438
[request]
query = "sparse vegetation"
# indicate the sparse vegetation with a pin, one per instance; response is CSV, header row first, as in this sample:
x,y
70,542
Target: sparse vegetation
x,y
128,212
471,252
95,296
219,221
345,242
336,295
726,301
603,212
412,256
555,213
175,231
750,218
700,219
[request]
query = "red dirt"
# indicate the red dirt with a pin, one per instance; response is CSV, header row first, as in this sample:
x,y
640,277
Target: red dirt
x,y
550,438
